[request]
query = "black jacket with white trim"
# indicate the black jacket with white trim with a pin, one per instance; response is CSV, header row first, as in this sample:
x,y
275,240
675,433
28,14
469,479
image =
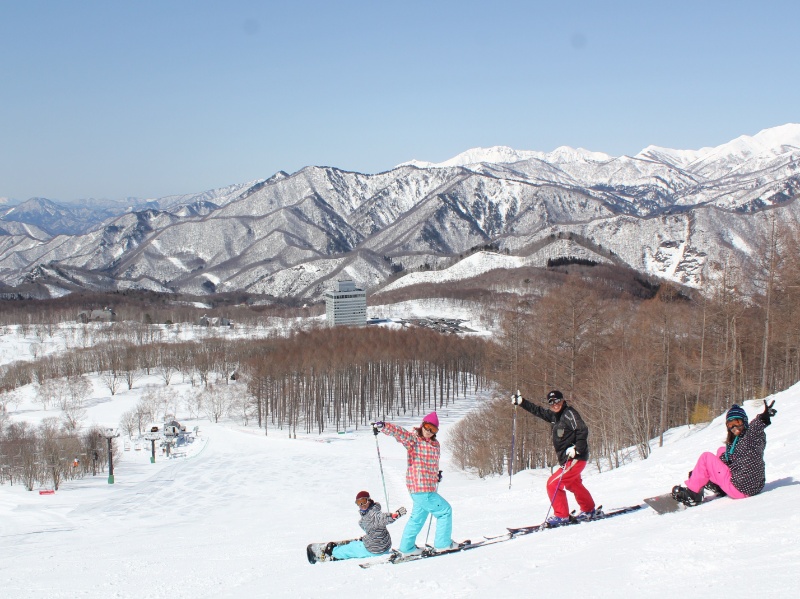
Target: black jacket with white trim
x,y
568,429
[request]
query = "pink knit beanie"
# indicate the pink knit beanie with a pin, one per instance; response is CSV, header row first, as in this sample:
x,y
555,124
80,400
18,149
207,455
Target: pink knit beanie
x,y
432,418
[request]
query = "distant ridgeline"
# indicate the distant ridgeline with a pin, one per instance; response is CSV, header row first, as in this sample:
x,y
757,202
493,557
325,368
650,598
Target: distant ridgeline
x,y
691,217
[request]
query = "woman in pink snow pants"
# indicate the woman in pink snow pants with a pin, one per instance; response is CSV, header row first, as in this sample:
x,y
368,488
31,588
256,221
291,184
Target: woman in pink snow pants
x,y
737,469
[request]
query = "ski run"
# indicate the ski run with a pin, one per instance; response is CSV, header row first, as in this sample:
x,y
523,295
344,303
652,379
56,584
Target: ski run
x,y
232,517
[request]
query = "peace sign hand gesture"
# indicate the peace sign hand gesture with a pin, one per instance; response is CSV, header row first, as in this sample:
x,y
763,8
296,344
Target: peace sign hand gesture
x,y
768,412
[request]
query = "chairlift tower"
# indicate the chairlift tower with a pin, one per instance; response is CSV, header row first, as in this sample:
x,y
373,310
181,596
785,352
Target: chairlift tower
x,y
170,434
152,437
110,434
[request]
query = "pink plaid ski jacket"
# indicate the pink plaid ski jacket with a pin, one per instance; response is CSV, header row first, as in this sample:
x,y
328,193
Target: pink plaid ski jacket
x,y
423,459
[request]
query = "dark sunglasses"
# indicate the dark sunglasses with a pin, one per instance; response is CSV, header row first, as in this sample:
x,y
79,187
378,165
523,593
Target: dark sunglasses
x,y
554,400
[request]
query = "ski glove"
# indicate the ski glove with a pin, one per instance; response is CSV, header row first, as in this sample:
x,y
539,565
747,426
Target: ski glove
x,y
768,412
439,478
376,426
516,400
570,452
401,511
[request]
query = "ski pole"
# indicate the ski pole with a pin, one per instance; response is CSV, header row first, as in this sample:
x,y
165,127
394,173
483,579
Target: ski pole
x,y
513,438
564,468
380,463
430,516
427,534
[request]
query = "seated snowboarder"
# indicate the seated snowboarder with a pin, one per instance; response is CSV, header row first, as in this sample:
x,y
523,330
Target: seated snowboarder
x,y
376,541
738,467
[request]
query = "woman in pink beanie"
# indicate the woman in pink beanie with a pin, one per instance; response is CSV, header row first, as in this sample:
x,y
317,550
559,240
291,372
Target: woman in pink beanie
x,y
422,478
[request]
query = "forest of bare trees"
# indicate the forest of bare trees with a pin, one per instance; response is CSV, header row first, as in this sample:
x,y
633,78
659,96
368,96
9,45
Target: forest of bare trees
x,y
635,356
636,367
343,376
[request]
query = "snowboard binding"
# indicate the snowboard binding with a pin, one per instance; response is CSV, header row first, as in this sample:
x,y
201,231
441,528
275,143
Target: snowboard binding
x,y
686,496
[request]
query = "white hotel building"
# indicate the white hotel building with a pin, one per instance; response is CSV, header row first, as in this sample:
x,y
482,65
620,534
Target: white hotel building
x,y
346,304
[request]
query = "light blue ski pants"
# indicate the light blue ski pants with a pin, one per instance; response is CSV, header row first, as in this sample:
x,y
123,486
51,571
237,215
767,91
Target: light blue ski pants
x,y
353,549
424,504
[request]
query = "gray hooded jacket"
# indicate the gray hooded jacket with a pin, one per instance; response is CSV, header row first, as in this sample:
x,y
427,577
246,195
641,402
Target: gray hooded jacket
x,y
374,522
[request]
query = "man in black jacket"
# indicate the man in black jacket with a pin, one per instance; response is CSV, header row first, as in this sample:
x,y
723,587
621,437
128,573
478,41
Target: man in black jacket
x,y
570,440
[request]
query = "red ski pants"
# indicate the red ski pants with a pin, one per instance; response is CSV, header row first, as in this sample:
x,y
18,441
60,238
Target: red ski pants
x,y
571,481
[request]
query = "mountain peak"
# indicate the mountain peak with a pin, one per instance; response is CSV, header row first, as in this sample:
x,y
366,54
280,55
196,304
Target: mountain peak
x,y
778,137
507,155
767,142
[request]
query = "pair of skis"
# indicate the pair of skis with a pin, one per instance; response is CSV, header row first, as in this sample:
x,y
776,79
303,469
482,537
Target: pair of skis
x,y
321,552
661,504
399,558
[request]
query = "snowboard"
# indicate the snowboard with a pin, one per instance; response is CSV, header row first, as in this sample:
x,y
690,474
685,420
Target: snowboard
x,y
316,551
665,504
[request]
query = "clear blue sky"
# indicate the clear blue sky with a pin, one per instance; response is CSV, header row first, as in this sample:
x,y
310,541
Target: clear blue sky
x,y
111,99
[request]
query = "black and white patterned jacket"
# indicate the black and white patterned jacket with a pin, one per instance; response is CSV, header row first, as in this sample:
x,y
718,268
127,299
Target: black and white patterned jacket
x,y
374,522
747,460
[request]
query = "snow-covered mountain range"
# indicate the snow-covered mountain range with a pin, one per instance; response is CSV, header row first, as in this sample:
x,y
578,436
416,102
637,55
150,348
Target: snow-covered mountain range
x,y
675,214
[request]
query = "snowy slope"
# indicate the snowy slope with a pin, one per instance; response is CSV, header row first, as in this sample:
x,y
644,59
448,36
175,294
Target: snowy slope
x,y
233,519
472,266
483,262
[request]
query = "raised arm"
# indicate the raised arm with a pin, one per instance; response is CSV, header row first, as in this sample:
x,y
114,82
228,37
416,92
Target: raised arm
x,y
403,436
528,406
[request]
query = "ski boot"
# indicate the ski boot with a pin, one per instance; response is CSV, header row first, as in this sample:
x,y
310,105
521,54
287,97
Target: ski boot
x,y
415,551
556,521
590,515
686,496
453,545
712,487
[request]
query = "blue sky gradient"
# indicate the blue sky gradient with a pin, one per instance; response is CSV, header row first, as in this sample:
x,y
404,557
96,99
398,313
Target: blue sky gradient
x,y
152,98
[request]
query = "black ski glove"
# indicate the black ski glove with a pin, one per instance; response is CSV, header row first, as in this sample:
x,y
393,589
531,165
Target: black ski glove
x,y
439,478
768,413
376,427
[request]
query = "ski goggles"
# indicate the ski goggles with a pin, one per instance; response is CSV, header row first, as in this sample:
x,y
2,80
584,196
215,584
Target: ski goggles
x,y
554,400
734,423
362,502
430,428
